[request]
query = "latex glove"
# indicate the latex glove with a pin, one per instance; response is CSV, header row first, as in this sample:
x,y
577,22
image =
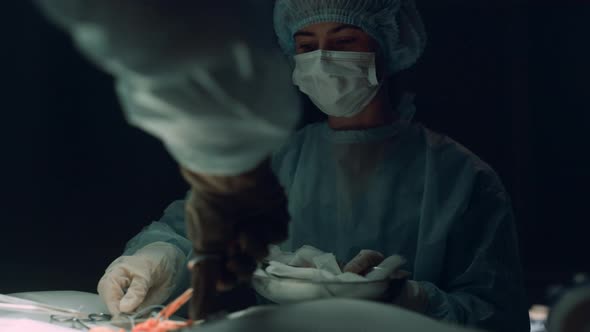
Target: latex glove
x,y
412,297
364,261
146,278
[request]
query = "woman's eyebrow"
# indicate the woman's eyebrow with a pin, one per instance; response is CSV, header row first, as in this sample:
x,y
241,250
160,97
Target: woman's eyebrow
x,y
304,34
344,27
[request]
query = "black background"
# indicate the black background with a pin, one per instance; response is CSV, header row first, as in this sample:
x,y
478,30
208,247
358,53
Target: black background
x,y
510,82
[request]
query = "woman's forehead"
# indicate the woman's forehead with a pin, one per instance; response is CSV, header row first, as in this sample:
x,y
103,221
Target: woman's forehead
x,y
327,28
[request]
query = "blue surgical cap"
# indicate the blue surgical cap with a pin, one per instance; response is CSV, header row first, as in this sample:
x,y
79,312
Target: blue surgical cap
x,y
395,24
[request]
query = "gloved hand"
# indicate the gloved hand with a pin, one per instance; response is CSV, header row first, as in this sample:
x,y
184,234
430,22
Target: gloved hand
x,y
364,261
146,278
412,297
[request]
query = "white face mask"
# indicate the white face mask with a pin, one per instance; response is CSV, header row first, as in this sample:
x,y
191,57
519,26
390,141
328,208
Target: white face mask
x,y
340,84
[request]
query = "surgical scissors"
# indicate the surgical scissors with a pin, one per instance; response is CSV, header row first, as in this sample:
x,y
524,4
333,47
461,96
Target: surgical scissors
x,y
80,323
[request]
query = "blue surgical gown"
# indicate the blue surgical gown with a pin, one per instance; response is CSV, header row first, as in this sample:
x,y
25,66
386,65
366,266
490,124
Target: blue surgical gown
x,y
400,189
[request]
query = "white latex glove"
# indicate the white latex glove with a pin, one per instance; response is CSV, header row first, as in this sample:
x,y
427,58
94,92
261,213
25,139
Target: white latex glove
x,y
304,256
365,260
146,278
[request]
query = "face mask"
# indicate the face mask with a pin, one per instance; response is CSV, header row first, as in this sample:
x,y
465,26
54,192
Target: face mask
x,y
340,84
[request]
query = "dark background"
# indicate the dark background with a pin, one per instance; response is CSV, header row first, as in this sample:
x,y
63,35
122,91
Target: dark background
x,y
510,82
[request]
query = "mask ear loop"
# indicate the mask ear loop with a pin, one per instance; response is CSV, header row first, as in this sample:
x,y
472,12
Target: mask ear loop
x,y
381,73
380,66
374,75
406,107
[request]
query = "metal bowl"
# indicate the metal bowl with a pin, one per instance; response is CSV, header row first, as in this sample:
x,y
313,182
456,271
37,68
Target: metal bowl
x,y
289,290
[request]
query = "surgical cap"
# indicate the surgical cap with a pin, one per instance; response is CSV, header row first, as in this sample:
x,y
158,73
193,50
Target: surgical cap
x,y
395,24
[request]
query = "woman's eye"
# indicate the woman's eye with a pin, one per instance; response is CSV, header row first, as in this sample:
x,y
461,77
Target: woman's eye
x,y
305,47
346,41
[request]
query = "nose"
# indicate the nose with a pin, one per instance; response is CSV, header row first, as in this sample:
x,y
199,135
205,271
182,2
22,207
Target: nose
x,y
324,45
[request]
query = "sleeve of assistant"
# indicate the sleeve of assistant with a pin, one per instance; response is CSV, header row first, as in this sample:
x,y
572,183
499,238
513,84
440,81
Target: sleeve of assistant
x,y
170,229
483,285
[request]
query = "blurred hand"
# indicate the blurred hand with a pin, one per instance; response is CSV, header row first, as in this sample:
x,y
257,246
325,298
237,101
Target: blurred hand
x,y
236,217
412,297
232,219
146,278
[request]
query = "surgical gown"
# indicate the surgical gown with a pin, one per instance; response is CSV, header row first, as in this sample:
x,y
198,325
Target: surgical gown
x,y
194,76
400,189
